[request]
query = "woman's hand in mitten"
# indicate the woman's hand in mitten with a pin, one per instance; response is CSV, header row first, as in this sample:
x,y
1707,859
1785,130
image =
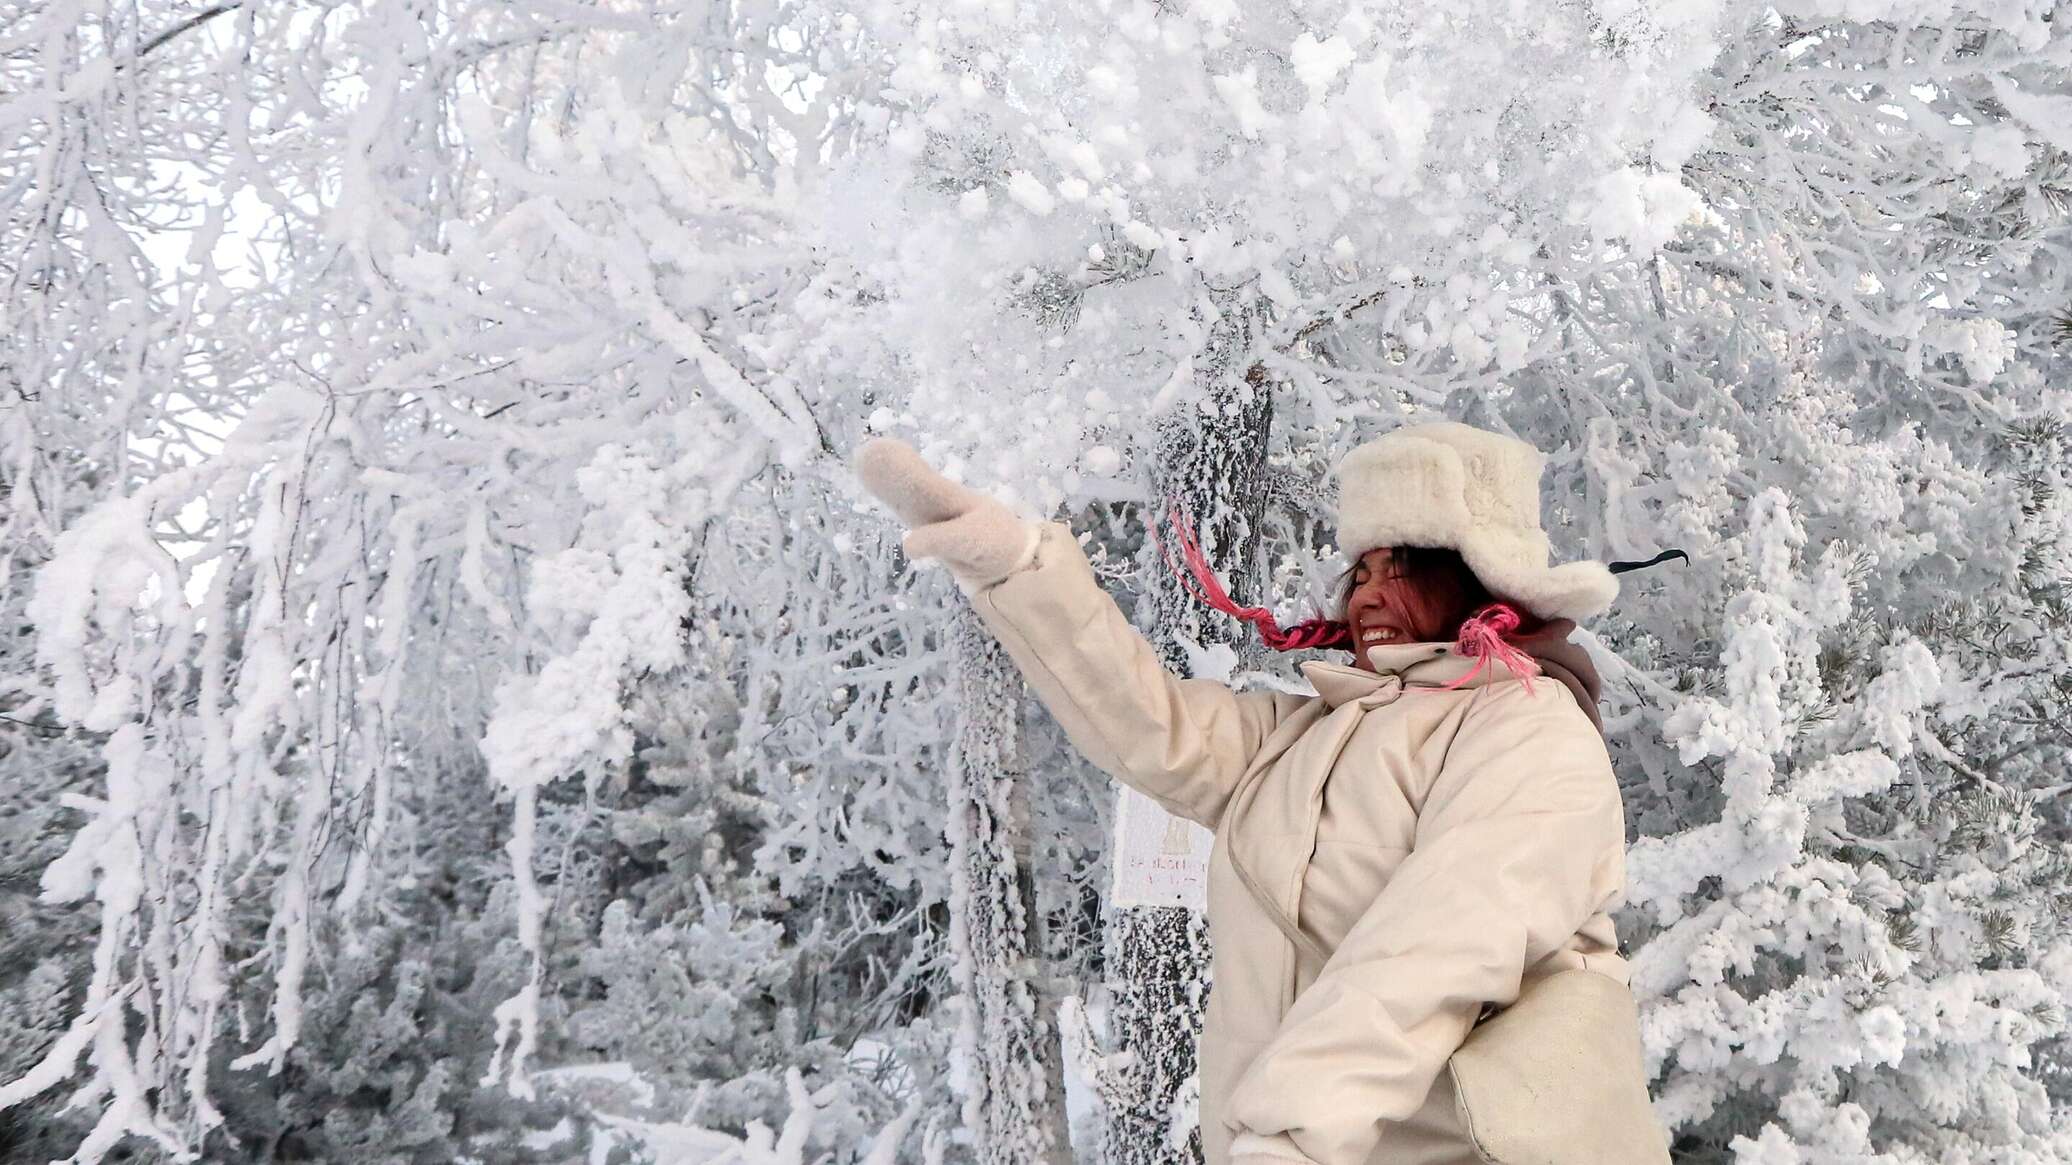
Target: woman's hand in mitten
x,y
978,538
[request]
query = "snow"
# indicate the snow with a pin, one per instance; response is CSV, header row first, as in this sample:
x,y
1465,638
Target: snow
x,y
1982,346
1028,192
449,657
1240,91
1318,63
1102,460
1643,209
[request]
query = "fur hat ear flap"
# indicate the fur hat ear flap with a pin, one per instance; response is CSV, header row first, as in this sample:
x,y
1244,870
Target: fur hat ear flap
x,y
1573,590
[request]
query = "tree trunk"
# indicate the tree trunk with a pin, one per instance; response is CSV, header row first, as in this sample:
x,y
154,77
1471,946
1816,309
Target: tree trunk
x,y
1212,458
1012,1081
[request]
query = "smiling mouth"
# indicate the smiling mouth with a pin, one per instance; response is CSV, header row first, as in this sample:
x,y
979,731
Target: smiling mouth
x,y
1383,635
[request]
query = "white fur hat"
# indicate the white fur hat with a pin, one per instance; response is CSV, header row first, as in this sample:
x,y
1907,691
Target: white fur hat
x,y
1451,485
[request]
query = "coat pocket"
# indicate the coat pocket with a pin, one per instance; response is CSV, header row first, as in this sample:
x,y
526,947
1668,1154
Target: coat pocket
x,y
1557,1078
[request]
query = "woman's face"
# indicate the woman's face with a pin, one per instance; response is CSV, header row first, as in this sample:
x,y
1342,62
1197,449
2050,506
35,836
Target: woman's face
x,y
1387,603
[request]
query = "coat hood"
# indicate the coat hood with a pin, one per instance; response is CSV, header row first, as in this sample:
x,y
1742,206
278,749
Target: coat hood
x,y
1567,661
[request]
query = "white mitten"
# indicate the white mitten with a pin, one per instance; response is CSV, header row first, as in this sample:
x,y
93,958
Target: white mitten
x,y
979,539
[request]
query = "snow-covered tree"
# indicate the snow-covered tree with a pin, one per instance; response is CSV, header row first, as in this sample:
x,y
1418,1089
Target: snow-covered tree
x,y
468,659
111,371
1195,219
473,376
1013,1084
1837,394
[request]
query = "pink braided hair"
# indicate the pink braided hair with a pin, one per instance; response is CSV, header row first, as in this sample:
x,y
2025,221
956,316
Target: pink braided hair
x,y
1483,635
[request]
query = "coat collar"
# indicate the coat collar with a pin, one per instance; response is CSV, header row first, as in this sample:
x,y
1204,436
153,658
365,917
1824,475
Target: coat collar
x,y
1396,666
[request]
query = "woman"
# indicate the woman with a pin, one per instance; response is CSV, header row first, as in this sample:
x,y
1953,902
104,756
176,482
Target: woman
x,y
1423,839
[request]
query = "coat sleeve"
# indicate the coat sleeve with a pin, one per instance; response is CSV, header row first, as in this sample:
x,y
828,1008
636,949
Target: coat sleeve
x,y
1519,842
1184,743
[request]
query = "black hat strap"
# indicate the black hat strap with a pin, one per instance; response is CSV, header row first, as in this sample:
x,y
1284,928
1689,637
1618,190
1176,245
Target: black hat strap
x,y
1622,567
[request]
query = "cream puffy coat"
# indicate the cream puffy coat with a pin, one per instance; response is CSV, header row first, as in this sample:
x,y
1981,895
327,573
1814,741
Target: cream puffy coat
x,y
1434,851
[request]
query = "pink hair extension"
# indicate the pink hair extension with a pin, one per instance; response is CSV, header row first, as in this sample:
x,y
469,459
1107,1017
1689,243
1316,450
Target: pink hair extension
x,y
1482,635
1202,583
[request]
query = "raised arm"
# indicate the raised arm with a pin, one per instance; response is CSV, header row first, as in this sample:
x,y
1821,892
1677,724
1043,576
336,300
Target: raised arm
x,y
1182,742
1519,843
